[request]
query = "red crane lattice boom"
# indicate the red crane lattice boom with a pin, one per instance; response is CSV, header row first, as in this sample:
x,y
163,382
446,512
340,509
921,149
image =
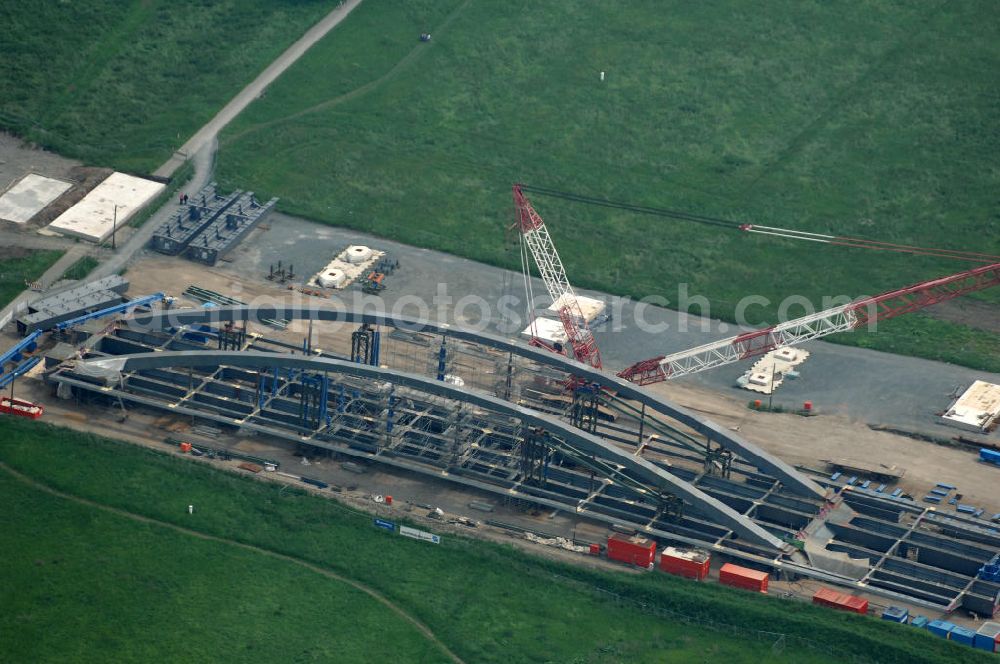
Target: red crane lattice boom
x,y
538,241
838,319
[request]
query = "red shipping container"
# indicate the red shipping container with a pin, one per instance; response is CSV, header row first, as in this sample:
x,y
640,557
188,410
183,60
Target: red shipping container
x,y
827,597
857,604
841,601
690,564
742,577
633,550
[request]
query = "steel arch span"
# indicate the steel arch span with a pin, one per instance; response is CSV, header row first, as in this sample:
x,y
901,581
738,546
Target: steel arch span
x,y
792,479
653,479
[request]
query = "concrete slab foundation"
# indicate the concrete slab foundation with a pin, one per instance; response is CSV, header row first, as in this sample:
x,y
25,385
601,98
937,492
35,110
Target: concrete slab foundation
x,y
111,203
29,196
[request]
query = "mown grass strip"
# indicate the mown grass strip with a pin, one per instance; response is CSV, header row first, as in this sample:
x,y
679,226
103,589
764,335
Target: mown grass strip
x,y
83,582
124,84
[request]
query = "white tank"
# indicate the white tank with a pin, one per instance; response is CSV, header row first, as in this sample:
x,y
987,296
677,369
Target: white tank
x,y
332,278
357,253
786,354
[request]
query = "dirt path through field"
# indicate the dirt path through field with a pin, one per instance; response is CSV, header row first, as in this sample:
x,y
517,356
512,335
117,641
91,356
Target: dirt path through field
x,y
416,52
201,147
210,131
374,594
966,311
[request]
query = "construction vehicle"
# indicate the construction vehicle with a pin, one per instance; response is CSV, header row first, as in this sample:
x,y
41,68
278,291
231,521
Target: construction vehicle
x,y
535,239
373,283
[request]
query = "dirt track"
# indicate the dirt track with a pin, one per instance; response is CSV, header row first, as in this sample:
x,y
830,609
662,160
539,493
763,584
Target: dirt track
x,y
966,311
201,147
210,131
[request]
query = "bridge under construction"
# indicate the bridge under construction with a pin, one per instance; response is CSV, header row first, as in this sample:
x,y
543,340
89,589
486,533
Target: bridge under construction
x,y
494,415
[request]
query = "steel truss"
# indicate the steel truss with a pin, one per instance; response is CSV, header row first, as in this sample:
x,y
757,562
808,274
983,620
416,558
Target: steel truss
x,y
831,321
634,474
539,243
542,360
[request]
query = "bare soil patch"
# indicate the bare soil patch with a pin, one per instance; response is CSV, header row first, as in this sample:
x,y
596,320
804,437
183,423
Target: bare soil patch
x,y
973,313
8,252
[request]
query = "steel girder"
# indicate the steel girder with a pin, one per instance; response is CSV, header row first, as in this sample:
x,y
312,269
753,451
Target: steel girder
x,y
789,477
655,478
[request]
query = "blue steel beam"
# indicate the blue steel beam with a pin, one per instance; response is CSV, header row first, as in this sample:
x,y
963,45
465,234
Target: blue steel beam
x,y
324,400
14,352
19,370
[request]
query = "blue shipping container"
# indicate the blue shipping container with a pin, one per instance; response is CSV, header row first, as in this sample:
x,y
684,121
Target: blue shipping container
x,y
987,636
895,614
962,635
940,628
984,643
919,621
989,456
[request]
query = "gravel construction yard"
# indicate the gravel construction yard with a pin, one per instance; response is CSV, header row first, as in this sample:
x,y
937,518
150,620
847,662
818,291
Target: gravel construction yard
x,y
857,384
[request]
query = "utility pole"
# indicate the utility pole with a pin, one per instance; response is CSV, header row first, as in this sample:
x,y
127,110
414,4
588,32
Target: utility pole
x,y
114,227
770,392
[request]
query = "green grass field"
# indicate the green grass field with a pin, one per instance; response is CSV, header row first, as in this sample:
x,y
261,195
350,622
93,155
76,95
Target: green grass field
x,y
877,122
80,269
24,266
81,584
100,586
124,84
